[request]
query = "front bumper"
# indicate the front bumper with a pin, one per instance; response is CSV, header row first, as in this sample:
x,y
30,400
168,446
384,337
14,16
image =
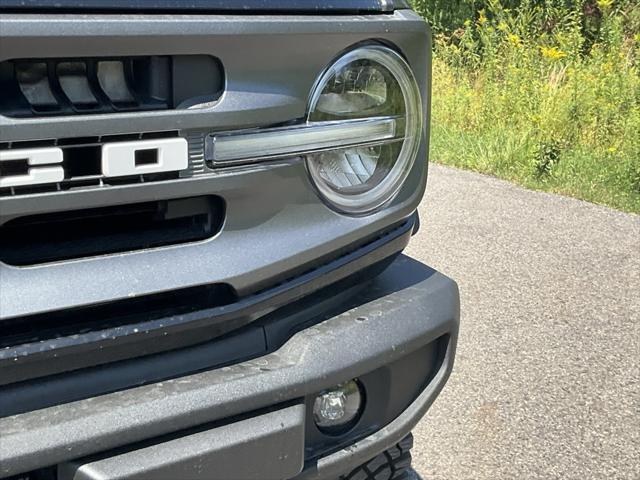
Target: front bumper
x,y
406,308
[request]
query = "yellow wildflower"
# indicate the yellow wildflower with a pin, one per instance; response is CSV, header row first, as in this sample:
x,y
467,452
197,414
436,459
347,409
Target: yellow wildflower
x,y
552,53
482,18
605,4
514,40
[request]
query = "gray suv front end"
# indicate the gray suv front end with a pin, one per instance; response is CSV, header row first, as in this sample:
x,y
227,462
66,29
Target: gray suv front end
x,y
202,214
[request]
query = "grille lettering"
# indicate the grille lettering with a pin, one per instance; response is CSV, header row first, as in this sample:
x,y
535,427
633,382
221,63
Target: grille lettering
x,y
42,166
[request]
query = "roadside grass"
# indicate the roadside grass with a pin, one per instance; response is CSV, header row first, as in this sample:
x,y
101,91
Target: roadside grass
x,y
540,106
581,174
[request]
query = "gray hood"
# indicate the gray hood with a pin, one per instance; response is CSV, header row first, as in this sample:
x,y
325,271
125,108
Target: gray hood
x,y
204,6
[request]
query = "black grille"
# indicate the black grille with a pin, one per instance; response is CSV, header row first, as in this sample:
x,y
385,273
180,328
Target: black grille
x,y
42,87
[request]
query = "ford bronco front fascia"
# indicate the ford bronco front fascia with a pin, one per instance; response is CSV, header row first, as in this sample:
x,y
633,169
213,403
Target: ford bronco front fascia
x,y
176,312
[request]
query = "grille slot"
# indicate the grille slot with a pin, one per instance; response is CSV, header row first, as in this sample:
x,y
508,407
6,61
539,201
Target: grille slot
x,y
42,238
44,87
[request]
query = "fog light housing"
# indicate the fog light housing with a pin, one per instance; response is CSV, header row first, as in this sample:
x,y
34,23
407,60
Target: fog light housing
x,y
338,409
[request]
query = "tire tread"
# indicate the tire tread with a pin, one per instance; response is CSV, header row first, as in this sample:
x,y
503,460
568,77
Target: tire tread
x,y
392,464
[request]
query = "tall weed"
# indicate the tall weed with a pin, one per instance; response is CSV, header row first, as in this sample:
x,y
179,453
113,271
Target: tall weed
x,y
542,92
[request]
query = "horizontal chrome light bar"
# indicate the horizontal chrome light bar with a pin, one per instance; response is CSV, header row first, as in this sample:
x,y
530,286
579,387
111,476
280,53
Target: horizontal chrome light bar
x,y
247,146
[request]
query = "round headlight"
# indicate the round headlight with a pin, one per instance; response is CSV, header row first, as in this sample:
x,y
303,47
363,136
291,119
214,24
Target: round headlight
x,y
375,83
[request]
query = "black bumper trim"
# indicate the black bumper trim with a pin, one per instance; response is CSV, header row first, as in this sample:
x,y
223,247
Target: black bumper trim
x,y
406,307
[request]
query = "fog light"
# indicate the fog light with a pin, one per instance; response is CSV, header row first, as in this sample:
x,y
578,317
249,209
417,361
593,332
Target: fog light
x,y
338,408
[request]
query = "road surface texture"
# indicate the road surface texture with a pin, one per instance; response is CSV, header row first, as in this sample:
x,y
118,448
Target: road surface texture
x,y
547,374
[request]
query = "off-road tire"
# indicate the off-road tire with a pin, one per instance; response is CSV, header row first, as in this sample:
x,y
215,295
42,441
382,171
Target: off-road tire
x,y
392,464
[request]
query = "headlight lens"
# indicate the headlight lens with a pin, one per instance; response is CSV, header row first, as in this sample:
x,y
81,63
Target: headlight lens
x,y
369,82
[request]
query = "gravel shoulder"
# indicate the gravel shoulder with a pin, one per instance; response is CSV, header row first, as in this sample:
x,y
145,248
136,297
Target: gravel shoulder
x,y
547,376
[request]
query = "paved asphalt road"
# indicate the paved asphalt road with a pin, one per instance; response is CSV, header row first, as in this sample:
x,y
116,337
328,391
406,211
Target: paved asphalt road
x,y
546,381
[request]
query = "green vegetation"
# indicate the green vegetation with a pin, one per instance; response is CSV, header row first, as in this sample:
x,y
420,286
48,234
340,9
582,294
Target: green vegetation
x,y
545,93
